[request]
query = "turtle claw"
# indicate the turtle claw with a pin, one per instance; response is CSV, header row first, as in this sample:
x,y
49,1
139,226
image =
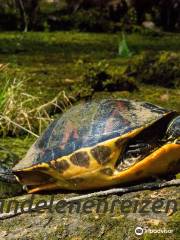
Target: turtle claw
x,y
138,148
25,188
134,153
138,145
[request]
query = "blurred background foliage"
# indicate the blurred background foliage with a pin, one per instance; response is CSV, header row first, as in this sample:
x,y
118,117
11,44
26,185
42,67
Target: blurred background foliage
x,y
89,15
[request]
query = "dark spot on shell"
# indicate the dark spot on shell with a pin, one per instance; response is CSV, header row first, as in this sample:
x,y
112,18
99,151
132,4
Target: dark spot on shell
x,y
101,154
80,159
75,180
139,172
60,166
107,171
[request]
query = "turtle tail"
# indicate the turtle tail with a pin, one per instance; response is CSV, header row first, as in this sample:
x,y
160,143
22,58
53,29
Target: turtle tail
x,y
6,175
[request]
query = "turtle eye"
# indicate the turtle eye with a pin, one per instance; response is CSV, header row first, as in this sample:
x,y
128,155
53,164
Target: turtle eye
x,y
173,130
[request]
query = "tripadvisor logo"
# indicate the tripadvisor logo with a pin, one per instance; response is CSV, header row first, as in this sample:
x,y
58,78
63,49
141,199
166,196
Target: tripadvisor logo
x,y
86,206
139,231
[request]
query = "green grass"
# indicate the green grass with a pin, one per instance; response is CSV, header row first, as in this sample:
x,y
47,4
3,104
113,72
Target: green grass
x,y
49,58
3,90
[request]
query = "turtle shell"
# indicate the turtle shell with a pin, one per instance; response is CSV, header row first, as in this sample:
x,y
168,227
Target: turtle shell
x,y
88,124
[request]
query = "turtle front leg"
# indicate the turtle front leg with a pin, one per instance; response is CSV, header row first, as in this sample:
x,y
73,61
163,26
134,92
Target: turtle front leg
x,y
164,161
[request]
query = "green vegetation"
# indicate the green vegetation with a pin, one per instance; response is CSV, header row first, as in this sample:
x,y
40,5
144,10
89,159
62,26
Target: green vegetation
x,y
88,15
160,68
21,112
45,64
47,60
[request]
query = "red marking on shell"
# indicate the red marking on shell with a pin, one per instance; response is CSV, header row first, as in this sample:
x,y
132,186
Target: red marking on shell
x,y
75,134
109,125
116,113
121,106
69,131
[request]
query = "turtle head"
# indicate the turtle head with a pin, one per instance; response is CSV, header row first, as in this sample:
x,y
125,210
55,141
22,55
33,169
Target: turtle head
x,y
6,175
7,159
173,130
9,186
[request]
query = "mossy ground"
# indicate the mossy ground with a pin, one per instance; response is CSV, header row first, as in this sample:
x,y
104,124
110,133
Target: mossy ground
x,y
46,60
94,225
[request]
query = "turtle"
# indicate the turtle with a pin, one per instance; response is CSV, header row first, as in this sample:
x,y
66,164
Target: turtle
x,y
98,144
